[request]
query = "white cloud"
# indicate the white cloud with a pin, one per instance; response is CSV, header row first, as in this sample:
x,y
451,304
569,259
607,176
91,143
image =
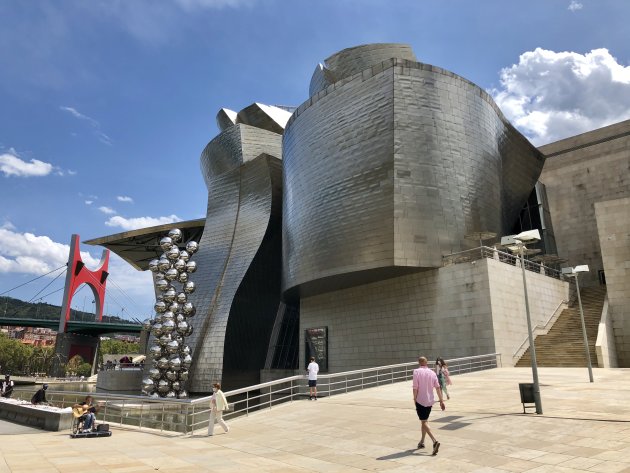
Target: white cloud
x,y
71,172
574,6
140,222
31,254
12,165
107,210
552,95
96,126
89,202
124,198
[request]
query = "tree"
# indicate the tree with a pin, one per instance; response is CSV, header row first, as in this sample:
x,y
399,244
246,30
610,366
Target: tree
x,y
84,369
72,368
116,347
15,357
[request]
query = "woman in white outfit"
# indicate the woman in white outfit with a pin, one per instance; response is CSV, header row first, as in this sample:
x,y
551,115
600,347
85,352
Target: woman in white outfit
x,y
218,404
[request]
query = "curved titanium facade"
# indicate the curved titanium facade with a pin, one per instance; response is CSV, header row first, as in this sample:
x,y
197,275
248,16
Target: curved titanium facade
x,y
389,168
238,278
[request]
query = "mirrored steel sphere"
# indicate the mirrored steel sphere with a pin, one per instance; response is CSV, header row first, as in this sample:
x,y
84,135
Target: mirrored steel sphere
x,y
171,375
182,297
173,254
183,376
162,363
155,374
186,362
182,277
148,385
146,325
172,347
182,328
175,363
164,264
168,326
155,351
164,339
176,386
184,255
163,386
153,265
166,243
159,298
191,267
157,329
171,395
169,295
189,309
189,331
158,319
192,247
174,307
175,234
168,315
154,395
185,350
189,287
180,318
183,394
160,307
159,275
180,265
162,285
171,274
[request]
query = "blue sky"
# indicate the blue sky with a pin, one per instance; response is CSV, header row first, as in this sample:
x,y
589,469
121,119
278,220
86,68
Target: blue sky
x,y
105,106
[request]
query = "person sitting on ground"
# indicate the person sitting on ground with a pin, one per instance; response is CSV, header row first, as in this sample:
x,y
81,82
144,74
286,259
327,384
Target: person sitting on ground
x,y
89,414
7,386
40,396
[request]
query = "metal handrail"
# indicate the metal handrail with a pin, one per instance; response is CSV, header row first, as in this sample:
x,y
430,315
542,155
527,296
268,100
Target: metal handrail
x,y
188,415
486,252
542,328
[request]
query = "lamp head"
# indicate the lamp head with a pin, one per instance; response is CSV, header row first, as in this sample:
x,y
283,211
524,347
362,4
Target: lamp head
x,y
529,236
583,268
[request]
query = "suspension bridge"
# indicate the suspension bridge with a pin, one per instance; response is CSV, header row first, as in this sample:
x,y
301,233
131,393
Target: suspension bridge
x,y
78,332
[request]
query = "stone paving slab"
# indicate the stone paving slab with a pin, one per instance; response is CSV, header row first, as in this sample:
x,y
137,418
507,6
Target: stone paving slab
x,y
585,427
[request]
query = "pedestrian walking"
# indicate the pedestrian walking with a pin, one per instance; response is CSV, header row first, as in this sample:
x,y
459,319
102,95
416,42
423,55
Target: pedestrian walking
x,y
7,386
218,404
424,381
441,370
312,369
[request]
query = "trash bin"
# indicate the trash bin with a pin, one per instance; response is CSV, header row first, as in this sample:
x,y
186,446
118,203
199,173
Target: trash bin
x,y
527,395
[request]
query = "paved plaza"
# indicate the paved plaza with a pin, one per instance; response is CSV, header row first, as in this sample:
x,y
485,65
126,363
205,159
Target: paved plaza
x,y
585,427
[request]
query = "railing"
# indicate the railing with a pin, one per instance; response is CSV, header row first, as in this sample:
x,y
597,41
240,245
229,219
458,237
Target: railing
x,y
498,255
188,416
540,329
266,395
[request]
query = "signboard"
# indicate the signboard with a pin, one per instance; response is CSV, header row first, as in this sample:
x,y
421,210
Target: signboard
x,y
316,344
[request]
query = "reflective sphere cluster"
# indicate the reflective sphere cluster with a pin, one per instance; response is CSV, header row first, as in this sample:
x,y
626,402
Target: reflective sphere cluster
x,y
171,325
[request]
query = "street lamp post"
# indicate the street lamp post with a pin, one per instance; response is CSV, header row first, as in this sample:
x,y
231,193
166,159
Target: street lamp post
x,y
517,243
574,272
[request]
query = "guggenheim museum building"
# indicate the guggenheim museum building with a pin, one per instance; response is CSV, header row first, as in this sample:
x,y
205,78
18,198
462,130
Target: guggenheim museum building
x,y
362,227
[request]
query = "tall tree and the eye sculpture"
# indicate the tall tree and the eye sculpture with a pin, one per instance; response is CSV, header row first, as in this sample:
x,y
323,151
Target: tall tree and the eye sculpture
x,y
170,326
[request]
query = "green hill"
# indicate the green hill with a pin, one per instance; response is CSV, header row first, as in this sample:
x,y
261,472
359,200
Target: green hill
x,y
10,307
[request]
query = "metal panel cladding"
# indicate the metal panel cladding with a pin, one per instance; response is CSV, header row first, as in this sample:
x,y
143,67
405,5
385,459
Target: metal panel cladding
x,y
238,276
387,169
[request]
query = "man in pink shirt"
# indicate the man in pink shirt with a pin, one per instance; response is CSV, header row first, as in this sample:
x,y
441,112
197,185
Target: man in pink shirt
x,y
424,380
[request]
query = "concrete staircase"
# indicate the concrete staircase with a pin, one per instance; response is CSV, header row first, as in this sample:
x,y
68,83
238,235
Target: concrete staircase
x,y
563,346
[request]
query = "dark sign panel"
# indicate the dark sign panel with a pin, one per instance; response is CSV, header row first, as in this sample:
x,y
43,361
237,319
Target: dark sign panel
x,y
316,344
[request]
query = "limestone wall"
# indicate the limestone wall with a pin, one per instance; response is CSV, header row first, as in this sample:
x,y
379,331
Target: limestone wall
x,y
613,223
455,311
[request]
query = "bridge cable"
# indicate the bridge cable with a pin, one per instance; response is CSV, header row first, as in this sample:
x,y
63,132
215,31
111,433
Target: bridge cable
x,y
111,295
35,279
48,285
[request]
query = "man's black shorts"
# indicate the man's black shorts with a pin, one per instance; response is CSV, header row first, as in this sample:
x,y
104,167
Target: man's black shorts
x,y
312,383
423,412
